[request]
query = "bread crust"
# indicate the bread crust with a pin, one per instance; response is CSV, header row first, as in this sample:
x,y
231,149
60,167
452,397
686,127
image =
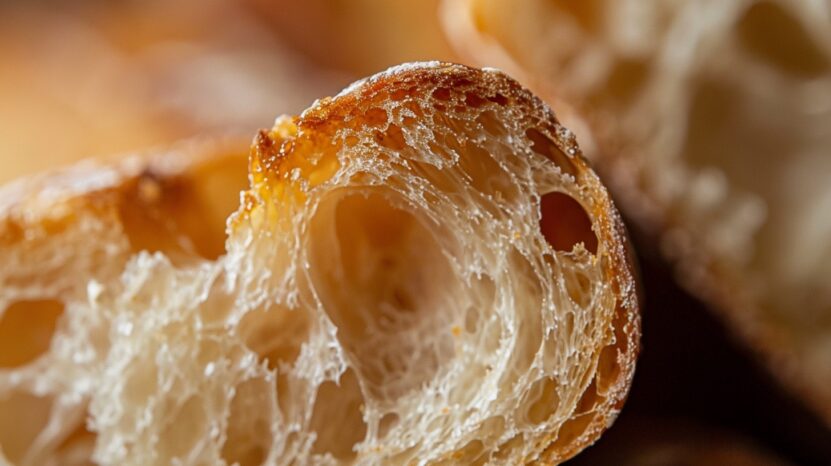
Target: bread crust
x,y
65,237
266,297
136,181
275,157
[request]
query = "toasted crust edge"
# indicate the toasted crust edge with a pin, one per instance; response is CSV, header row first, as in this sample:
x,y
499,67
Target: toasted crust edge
x,y
326,114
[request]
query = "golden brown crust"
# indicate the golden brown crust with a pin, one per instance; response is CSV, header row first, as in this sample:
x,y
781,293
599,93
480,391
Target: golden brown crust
x,y
273,330
275,157
159,198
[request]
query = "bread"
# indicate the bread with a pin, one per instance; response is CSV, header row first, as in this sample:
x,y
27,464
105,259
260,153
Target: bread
x,y
424,269
107,78
359,37
709,121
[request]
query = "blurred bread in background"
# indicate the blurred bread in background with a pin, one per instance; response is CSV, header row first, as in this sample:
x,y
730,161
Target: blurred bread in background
x,y
359,36
84,79
710,120
702,115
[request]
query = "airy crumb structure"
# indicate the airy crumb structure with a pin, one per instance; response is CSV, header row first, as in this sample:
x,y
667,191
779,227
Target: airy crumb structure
x,y
422,271
710,122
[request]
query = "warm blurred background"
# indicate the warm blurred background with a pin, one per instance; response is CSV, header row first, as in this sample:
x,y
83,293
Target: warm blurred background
x,y
96,78
101,78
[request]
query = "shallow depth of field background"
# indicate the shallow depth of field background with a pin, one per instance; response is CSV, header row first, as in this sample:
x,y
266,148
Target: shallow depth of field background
x,y
105,78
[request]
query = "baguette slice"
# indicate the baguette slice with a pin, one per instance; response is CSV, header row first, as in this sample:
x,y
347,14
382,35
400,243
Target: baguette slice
x,y
65,238
424,270
710,122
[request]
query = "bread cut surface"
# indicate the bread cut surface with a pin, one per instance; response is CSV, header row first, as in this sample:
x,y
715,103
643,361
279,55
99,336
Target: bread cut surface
x,y
710,122
65,238
423,271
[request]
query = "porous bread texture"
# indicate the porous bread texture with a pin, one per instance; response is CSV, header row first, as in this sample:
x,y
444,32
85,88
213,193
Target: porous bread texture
x,y
65,239
709,120
424,270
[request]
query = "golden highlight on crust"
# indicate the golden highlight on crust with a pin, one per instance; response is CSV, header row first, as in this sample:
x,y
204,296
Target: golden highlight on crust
x,y
425,262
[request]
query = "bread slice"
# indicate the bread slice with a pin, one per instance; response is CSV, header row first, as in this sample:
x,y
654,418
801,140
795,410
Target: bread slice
x,y
424,270
65,239
710,122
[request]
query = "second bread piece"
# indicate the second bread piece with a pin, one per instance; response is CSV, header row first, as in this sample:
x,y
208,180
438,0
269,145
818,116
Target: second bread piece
x,y
424,270
709,120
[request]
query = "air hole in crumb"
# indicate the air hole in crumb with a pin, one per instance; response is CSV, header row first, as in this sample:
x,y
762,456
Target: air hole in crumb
x,y
608,369
492,427
379,97
471,319
26,330
568,323
499,99
590,399
386,423
569,432
620,324
376,116
506,450
141,379
392,138
337,417
527,302
184,216
579,288
470,454
388,286
286,386
771,34
442,93
486,175
473,100
22,418
415,108
544,400
564,223
543,145
491,123
275,333
400,94
248,435
77,447
187,427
